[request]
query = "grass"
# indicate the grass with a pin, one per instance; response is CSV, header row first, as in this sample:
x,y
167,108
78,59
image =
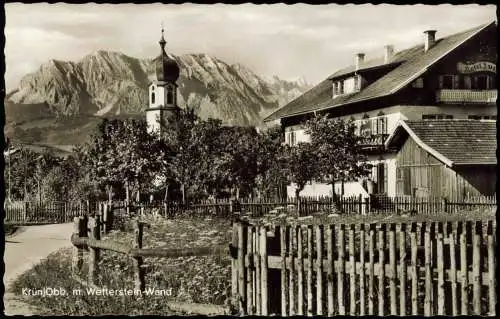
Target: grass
x,y
192,279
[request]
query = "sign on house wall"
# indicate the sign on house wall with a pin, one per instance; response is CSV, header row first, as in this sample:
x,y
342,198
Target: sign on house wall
x,y
482,66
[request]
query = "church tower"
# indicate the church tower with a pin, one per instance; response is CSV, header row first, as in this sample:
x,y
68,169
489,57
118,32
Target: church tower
x,y
163,109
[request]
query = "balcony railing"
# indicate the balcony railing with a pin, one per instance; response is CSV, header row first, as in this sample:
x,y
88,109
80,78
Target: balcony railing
x,y
466,96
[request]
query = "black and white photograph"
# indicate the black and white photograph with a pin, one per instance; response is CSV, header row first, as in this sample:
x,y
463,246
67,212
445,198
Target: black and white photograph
x,y
250,160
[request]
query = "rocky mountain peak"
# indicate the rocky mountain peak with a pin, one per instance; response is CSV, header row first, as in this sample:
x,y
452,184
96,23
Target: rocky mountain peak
x,y
110,83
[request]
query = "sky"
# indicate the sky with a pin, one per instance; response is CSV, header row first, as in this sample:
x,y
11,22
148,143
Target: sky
x,y
290,41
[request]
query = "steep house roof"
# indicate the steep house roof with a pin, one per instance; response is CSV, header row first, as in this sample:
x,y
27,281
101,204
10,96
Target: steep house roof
x,y
411,63
453,142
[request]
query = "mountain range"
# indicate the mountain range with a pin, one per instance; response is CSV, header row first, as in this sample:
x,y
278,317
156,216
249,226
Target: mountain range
x,y
63,100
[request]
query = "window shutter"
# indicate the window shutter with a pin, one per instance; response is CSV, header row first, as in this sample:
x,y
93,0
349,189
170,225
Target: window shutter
x,y
440,81
374,126
386,182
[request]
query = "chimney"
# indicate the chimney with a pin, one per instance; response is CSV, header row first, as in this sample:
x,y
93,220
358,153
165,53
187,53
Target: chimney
x,y
360,57
430,39
388,53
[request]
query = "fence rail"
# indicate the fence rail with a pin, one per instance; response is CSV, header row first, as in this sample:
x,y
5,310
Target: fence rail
x,y
432,268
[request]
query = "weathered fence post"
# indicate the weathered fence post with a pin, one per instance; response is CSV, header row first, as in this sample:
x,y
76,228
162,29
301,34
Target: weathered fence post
x,y
476,268
491,269
139,283
234,261
79,229
264,269
241,267
94,233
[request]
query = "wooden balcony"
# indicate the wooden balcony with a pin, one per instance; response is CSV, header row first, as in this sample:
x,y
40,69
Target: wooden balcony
x,y
466,96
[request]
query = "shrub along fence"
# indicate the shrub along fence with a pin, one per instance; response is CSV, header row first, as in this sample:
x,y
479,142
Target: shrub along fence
x,y
335,267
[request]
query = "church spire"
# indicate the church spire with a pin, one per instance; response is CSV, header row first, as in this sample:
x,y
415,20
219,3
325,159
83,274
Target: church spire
x,y
162,41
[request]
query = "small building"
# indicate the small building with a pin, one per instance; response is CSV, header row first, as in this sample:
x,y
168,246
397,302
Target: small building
x,y
454,159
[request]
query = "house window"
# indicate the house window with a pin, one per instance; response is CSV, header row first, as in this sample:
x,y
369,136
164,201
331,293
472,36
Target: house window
x,y
357,83
341,87
336,88
437,117
382,125
379,177
449,82
418,83
480,82
492,82
153,98
291,138
446,82
467,83
482,117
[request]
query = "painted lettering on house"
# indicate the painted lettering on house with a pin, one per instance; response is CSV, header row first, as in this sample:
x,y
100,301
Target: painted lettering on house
x,y
476,67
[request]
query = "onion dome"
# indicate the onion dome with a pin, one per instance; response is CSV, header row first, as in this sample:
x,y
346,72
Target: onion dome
x,y
167,70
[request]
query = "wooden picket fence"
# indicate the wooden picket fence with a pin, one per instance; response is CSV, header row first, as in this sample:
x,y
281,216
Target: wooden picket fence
x,y
312,205
330,267
32,212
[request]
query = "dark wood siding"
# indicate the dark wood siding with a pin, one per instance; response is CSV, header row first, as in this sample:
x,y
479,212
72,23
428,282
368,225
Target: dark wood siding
x,y
421,174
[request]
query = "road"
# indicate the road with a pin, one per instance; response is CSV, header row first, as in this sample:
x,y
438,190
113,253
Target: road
x,y
26,248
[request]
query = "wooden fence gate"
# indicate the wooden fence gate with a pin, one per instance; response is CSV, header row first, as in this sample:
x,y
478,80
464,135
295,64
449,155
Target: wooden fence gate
x,y
333,268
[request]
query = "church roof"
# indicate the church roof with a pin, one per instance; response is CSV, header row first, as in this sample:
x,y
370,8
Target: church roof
x,y
167,69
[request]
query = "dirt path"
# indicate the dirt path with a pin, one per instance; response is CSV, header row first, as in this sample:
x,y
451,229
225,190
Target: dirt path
x,y
23,250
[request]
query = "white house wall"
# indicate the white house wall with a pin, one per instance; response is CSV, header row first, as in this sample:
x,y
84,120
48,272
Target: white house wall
x,y
320,189
152,118
300,133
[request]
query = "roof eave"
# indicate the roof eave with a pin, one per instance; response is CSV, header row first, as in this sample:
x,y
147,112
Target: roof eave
x,y
474,163
419,142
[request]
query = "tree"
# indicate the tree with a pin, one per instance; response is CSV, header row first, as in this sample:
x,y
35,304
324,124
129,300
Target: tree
x,y
340,156
185,143
271,163
239,160
27,171
301,163
120,151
